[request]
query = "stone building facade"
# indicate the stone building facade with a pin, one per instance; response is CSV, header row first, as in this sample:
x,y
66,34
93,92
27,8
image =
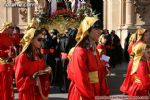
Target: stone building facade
x,y
123,16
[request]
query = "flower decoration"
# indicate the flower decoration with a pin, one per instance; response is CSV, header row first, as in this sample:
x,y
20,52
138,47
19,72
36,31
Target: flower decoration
x,y
63,18
85,10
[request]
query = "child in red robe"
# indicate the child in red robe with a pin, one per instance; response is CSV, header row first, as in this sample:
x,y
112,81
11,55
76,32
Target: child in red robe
x,y
7,54
104,68
141,80
136,45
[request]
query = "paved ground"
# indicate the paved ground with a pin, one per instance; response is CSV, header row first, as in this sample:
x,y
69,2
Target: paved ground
x,y
114,81
116,78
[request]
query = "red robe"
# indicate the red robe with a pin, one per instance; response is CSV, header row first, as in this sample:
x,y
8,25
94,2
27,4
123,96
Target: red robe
x,y
83,85
105,91
141,83
102,48
128,79
24,69
6,68
130,48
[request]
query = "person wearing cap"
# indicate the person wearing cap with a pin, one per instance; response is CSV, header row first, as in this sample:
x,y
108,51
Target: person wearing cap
x,y
133,40
83,68
138,44
7,55
7,28
139,84
127,81
31,72
141,79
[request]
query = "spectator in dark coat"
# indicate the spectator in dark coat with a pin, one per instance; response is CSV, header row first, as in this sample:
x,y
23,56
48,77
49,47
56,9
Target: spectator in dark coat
x,y
114,49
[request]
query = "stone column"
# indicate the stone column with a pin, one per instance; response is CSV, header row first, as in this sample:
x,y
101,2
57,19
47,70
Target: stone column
x,y
9,12
109,14
29,11
128,26
122,12
105,13
129,13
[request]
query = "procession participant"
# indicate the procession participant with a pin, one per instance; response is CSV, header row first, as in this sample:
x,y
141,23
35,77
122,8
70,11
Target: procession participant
x,y
83,68
105,68
31,72
141,83
7,54
136,54
127,81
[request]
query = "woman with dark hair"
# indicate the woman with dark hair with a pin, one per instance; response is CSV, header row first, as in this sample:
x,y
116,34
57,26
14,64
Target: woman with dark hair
x,y
133,83
31,72
83,68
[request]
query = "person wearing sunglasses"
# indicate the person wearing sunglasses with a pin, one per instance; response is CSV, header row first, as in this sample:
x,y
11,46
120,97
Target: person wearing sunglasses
x,y
31,72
